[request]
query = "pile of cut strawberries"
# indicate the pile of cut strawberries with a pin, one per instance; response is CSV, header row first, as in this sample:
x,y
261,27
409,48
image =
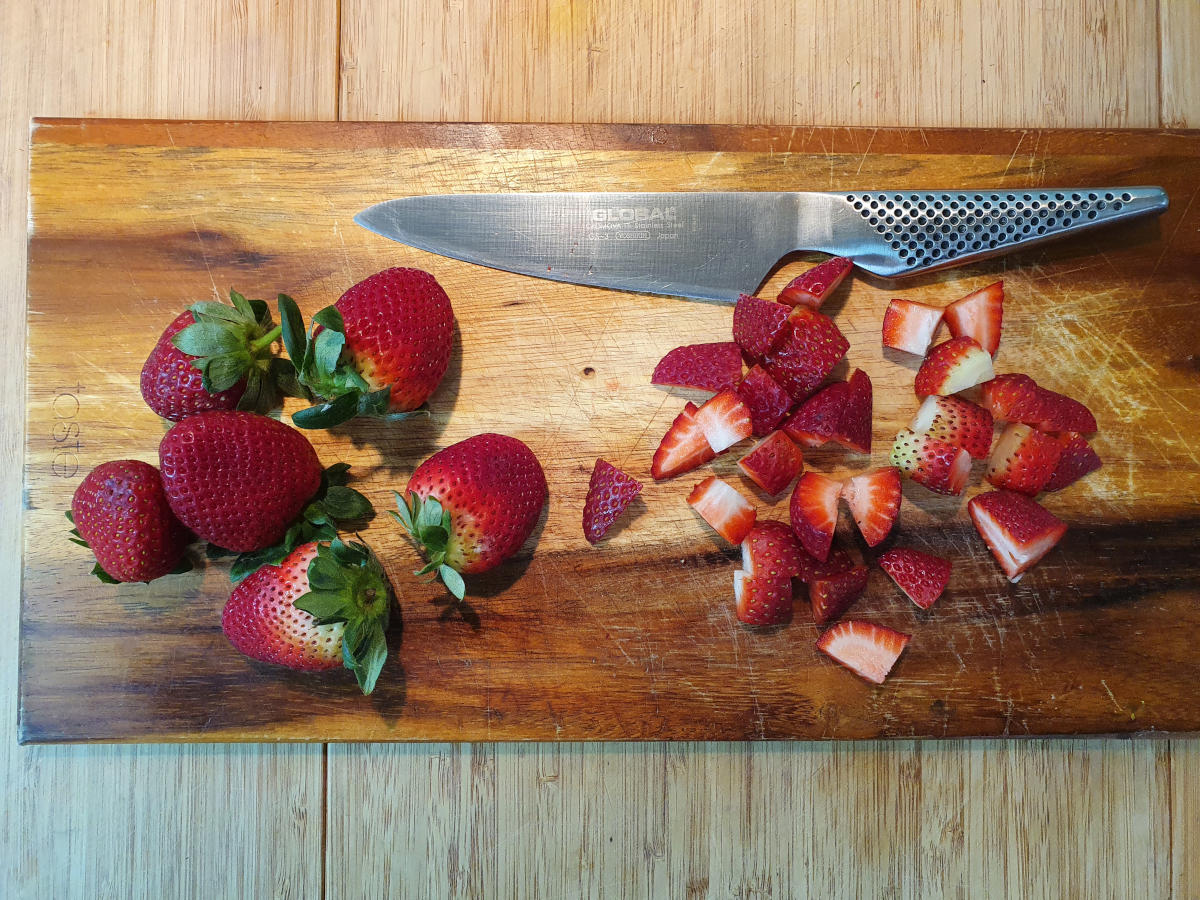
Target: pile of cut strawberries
x,y
786,400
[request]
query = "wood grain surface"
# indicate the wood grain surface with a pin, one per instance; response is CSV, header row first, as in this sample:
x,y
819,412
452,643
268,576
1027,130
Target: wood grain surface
x,y
1102,818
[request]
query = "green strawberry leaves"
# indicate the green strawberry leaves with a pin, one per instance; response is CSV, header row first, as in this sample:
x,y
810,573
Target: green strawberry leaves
x,y
429,526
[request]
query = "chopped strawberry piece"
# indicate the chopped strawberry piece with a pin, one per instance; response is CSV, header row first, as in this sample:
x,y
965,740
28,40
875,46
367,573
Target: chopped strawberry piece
x,y
1018,398
814,511
813,287
939,466
758,324
910,326
854,427
773,462
729,513
682,448
807,351
815,422
811,569
922,576
1078,459
724,420
609,491
979,315
767,401
955,421
874,501
864,648
705,367
832,596
771,549
1023,460
953,366
761,599
1017,529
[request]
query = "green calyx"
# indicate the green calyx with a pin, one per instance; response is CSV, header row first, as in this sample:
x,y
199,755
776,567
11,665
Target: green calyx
x,y
184,565
428,525
348,585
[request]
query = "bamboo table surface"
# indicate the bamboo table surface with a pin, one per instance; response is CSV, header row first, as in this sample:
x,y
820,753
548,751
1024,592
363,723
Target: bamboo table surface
x,y
1030,818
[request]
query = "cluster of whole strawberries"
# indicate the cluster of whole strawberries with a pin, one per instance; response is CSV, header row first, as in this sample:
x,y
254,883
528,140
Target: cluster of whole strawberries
x,y
250,485
791,349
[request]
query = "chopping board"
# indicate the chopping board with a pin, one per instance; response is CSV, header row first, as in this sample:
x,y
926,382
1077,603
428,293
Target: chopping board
x,y
636,638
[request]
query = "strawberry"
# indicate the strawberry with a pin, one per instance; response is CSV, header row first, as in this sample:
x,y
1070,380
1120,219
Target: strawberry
x,y
854,426
1017,529
922,576
120,512
955,421
471,506
380,350
771,549
729,513
767,401
866,649
979,315
1018,398
773,462
910,326
874,500
758,325
682,448
811,569
705,367
724,420
1077,459
810,346
814,511
833,595
814,287
1023,459
214,356
819,417
938,465
323,606
953,366
609,491
762,600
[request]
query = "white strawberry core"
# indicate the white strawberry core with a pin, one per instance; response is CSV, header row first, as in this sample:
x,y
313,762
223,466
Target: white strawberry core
x,y
923,420
975,368
1014,558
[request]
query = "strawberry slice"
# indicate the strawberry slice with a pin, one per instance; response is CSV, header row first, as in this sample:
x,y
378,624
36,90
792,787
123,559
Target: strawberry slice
x,y
729,513
979,315
854,427
767,401
705,367
874,500
771,549
807,351
1078,459
815,422
1023,460
922,576
609,491
811,569
773,462
832,596
1017,529
814,510
955,421
1018,398
953,366
758,324
724,420
910,326
813,287
938,465
682,448
864,648
761,599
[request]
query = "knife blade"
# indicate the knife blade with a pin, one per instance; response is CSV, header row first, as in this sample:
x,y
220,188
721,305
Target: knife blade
x,y
716,245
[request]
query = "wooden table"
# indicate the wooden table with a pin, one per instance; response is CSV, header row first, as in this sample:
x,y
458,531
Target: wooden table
x,y
1043,818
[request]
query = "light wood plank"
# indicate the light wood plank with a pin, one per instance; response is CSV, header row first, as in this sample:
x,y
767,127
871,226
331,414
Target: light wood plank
x,y
1185,818
1179,30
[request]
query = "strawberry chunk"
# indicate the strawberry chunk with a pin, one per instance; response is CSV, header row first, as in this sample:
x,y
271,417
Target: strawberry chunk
x,y
1023,460
874,501
758,324
815,422
767,401
938,465
955,421
832,596
922,576
812,569
1077,459
771,549
761,599
910,326
609,491
866,649
724,420
979,315
1017,529
729,513
773,462
682,448
953,366
813,287
1018,398
705,367
813,511
854,427
807,351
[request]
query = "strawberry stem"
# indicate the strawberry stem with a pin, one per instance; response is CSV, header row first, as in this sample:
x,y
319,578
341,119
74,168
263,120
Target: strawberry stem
x,y
266,340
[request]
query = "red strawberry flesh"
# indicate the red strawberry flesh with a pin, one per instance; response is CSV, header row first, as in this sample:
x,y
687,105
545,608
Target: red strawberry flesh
x,y
1077,459
682,448
767,401
955,421
854,425
807,351
173,387
609,491
979,315
705,367
874,501
1023,460
819,417
770,548
720,505
910,326
934,463
773,462
758,325
812,569
1018,398
922,576
1017,529
832,596
761,599
814,287
867,649
953,366
813,510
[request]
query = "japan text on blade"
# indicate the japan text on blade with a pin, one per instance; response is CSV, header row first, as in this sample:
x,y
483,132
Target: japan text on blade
x,y
715,245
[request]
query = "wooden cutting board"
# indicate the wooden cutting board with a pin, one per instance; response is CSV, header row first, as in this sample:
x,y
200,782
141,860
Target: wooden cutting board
x,y
635,638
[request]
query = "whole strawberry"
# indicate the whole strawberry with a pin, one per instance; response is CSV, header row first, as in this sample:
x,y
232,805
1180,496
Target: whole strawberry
x,y
381,350
472,505
121,513
323,606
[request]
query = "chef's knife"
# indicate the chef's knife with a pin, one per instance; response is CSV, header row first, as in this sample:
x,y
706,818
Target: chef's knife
x,y
713,246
